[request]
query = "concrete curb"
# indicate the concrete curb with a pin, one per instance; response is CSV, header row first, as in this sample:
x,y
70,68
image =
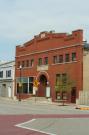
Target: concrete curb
x,y
82,108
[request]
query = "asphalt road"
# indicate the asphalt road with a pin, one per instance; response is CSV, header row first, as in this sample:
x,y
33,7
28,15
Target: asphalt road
x,y
30,118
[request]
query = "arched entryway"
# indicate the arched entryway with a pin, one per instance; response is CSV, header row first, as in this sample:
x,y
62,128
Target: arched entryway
x,y
42,86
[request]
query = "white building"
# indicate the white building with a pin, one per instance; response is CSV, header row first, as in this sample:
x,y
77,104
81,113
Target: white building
x,y
7,77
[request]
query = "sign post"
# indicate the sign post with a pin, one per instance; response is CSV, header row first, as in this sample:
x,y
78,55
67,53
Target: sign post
x,y
35,88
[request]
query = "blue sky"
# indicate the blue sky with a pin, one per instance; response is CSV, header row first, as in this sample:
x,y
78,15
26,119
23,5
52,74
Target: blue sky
x,y
20,20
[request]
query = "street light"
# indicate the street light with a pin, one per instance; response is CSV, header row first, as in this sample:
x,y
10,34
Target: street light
x,y
20,84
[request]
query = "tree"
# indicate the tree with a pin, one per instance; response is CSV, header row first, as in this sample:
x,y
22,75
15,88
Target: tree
x,y
63,85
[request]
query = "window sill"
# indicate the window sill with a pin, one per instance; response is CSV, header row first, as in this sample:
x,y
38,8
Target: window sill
x,y
64,63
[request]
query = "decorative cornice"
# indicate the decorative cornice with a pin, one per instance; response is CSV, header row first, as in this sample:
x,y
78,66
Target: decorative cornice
x,y
54,49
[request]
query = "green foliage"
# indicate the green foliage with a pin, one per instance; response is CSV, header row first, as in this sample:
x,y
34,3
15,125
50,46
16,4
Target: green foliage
x,y
64,84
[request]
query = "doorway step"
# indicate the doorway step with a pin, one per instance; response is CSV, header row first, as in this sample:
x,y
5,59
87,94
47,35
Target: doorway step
x,y
40,99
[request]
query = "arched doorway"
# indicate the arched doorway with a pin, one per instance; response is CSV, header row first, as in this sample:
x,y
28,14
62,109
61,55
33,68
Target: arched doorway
x,y
42,86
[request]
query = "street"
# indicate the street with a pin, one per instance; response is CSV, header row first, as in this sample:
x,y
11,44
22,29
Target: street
x,y
38,118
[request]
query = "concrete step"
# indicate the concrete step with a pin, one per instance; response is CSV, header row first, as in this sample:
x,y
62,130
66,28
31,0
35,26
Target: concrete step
x,y
41,99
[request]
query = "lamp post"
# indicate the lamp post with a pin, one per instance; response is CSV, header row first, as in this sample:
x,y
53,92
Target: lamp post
x,y
20,84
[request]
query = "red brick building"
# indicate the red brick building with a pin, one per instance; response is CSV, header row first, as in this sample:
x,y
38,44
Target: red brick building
x,y
48,57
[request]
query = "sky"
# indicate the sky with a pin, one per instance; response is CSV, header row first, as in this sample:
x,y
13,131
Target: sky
x,y
20,20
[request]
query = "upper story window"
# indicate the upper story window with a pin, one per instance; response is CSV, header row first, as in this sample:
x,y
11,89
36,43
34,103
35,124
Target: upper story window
x,y
46,60
31,62
8,73
1,74
73,56
18,65
40,61
23,63
60,58
54,59
67,57
27,63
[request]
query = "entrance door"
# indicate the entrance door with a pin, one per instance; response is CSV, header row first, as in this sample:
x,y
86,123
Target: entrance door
x,y
42,86
73,95
4,92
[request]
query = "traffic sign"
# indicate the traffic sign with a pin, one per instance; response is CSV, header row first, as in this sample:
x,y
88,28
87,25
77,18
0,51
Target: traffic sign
x,y
35,83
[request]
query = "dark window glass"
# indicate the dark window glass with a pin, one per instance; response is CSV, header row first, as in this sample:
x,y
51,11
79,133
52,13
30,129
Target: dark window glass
x,y
23,63
31,62
67,58
8,73
1,74
46,60
31,79
27,63
40,61
54,59
31,88
25,88
60,58
73,56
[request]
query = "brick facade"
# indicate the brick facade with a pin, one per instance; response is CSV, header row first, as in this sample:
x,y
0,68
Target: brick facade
x,y
47,55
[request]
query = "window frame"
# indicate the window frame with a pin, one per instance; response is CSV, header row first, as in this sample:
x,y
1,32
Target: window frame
x,y
39,61
60,58
46,61
8,73
1,74
55,59
74,54
67,57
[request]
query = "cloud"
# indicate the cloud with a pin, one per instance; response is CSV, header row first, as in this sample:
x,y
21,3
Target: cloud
x,y
20,20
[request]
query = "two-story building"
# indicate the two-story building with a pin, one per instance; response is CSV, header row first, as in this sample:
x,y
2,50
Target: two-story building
x,y
48,57
7,79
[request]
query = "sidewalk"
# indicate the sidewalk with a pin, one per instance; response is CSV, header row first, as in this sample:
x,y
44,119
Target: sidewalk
x,y
45,102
